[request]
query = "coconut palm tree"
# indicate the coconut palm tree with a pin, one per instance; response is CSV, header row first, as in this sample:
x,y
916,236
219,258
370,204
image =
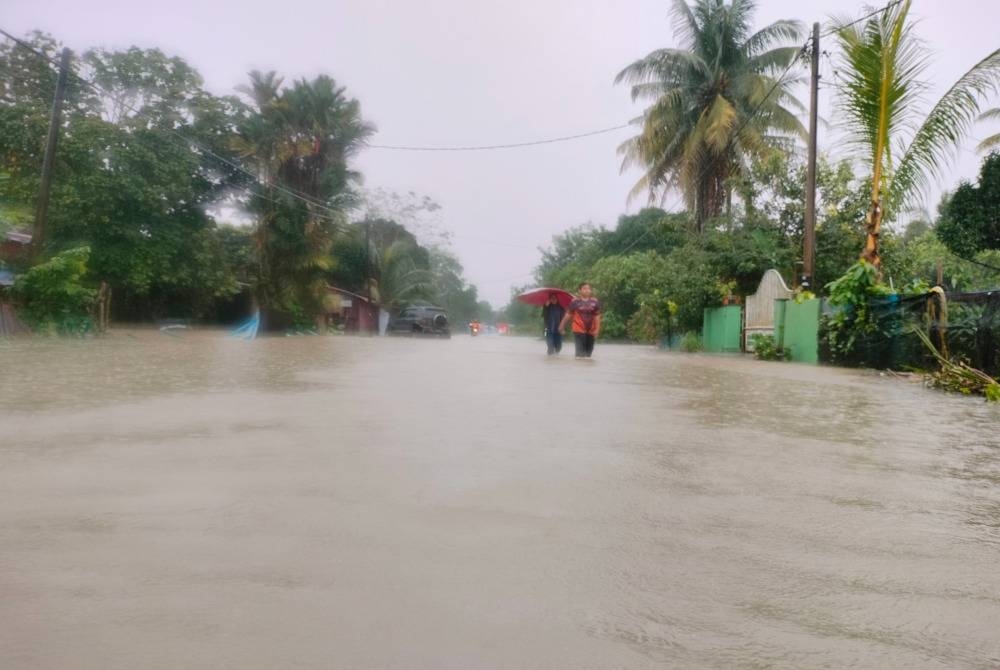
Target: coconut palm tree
x,y
882,67
719,100
992,142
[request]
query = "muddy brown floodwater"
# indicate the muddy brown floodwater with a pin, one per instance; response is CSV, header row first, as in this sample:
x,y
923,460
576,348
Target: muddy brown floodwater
x,y
199,502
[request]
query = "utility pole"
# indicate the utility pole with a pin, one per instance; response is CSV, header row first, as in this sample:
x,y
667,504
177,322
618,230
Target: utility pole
x,y
372,314
41,213
809,241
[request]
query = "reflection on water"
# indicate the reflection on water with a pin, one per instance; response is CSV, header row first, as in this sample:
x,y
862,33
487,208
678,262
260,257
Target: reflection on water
x,y
197,501
136,364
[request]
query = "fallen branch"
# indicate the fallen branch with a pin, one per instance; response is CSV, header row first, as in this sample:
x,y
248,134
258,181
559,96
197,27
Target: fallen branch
x,y
959,377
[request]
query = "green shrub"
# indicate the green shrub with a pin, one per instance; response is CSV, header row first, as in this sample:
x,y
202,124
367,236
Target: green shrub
x,y
612,326
691,342
52,296
653,320
766,348
860,332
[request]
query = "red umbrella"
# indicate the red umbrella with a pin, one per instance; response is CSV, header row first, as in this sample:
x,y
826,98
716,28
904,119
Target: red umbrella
x,y
540,296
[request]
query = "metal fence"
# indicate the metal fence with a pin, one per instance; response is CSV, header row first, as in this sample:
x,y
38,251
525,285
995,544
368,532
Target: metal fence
x,y
964,326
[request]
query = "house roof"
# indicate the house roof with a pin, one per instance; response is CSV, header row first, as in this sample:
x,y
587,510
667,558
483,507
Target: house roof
x,y
348,293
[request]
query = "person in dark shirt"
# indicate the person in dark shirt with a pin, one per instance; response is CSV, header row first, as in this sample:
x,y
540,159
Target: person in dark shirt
x,y
552,316
585,312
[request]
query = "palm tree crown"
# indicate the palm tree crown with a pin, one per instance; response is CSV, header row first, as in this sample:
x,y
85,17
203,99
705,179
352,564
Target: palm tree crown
x,y
719,100
882,68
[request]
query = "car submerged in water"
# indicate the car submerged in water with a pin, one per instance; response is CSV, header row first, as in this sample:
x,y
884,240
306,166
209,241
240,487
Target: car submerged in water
x,y
422,320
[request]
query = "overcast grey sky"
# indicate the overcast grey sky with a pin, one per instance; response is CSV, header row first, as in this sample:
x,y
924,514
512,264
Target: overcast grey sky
x,y
460,72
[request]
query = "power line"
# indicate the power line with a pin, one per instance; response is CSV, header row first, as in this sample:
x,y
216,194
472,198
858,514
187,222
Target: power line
x,y
837,28
969,260
566,138
492,147
30,48
314,203
100,90
778,82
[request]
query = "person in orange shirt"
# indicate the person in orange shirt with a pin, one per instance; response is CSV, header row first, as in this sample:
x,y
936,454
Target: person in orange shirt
x,y
585,312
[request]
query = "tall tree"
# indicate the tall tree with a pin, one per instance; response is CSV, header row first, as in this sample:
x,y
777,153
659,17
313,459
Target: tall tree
x,y
300,140
718,100
126,182
883,63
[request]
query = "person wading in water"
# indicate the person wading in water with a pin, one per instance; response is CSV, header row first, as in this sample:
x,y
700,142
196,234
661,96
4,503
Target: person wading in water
x,y
552,316
586,314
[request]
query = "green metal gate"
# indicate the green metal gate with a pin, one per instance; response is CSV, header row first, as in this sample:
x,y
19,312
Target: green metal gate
x,y
721,329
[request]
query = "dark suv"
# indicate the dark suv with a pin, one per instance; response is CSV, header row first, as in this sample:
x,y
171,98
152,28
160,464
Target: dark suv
x,y
421,320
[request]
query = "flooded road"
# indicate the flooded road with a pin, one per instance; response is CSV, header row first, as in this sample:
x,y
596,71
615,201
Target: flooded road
x,y
200,502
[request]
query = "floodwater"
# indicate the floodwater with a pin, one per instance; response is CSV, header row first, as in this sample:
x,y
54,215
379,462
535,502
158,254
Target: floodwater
x,y
322,502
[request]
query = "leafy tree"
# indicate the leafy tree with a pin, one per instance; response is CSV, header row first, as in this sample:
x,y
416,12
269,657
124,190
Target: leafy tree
x,y
450,289
882,65
650,228
970,220
565,261
53,297
125,183
524,317
299,140
485,312
415,212
653,319
621,282
920,256
12,214
716,102
686,276
237,247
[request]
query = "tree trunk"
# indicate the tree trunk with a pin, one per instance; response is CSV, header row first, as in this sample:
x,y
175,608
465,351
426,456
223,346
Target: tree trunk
x,y
711,200
873,226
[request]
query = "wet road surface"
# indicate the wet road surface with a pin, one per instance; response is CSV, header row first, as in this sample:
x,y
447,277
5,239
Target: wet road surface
x,y
200,502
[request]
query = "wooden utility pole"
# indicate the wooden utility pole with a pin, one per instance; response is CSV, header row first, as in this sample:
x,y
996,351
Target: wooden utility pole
x,y
41,213
372,314
809,234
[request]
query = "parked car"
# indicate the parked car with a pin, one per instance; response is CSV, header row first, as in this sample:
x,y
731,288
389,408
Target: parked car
x,y
421,320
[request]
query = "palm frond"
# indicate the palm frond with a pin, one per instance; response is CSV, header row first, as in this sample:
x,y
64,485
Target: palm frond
x,y
686,25
882,65
775,61
719,122
946,126
664,65
776,33
991,143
